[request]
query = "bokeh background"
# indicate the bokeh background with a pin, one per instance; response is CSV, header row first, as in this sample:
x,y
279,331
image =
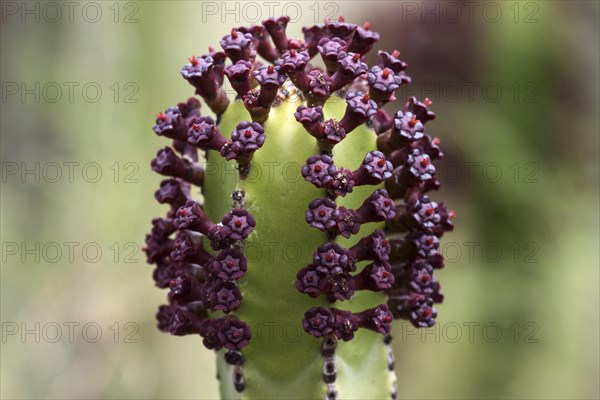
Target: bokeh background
x,y
515,86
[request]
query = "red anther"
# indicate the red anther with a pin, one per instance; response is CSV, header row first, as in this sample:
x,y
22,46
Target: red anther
x,y
385,73
230,264
385,242
452,214
366,98
342,18
381,162
385,274
367,26
238,223
322,213
181,211
426,278
413,121
329,258
236,334
293,52
356,57
211,49
387,202
317,168
427,312
427,101
387,319
193,60
270,69
309,278
161,115
425,161
429,241
195,127
429,211
435,141
395,53
317,322
234,34
248,133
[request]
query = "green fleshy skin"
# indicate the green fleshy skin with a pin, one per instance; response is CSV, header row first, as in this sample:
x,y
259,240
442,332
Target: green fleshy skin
x,y
282,361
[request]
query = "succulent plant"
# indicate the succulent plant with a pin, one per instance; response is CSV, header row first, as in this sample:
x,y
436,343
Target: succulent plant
x,y
299,224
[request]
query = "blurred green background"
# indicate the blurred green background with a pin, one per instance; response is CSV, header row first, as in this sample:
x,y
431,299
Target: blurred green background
x,y
515,86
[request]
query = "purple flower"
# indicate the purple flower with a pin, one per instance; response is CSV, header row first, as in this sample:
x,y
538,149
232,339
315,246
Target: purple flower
x,y
341,29
167,123
184,323
363,39
345,324
191,216
333,133
319,86
383,83
341,287
318,321
377,207
320,214
164,316
378,319
205,73
237,46
420,109
293,64
373,247
162,228
270,78
261,41
391,61
373,170
407,126
419,166
239,76
157,248
239,222
347,222
319,170
172,192
209,330
204,134
350,66
185,249
311,119
276,29
223,296
343,182
234,334
359,109
219,237
329,48
245,140
309,281
331,258
229,264
378,276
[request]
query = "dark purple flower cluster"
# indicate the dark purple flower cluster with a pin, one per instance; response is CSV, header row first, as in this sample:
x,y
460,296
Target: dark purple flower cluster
x,y
403,165
199,282
321,322
401,169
